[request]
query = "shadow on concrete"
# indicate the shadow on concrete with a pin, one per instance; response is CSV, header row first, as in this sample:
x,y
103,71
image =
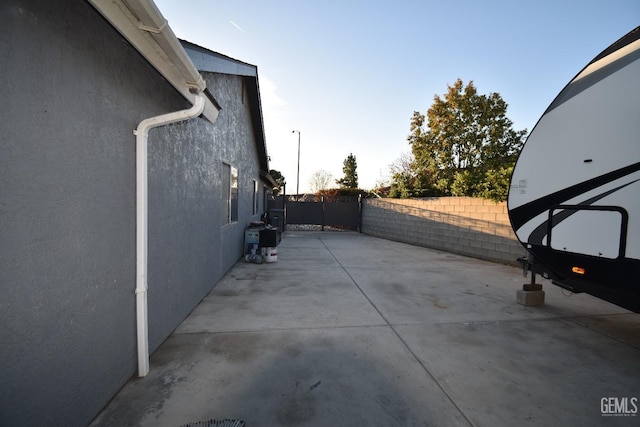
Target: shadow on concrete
x,y
347,329
343,376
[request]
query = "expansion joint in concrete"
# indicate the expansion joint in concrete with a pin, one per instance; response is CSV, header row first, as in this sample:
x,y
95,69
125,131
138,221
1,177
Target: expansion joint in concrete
x,y
404,343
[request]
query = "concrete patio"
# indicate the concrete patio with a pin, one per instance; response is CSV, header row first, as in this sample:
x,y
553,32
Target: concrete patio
x,y
351,330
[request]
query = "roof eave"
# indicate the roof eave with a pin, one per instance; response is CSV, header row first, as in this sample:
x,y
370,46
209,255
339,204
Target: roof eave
x,y
142,24
209,61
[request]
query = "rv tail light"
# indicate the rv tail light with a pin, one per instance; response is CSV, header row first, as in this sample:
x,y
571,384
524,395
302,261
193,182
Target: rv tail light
x,y
578,270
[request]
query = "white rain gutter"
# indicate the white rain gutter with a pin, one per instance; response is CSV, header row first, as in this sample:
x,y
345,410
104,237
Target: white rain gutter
x,y
142,216
144,27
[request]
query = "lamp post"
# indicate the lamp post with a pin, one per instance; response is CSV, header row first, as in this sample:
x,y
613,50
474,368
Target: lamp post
x,y
298,177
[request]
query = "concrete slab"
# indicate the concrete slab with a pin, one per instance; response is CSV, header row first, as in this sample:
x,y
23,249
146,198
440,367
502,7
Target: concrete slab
x,y
542,372
322,377
255,297
347,329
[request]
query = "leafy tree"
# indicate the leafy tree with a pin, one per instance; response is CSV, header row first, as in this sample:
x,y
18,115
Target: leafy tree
x,y
402,176
349,168
279,179
319,180
408,180
467,146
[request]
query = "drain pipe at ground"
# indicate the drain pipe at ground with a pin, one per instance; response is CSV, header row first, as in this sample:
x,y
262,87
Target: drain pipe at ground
x,y
142,134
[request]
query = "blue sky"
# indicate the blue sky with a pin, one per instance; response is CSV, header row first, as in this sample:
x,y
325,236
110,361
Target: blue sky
x,y
349,74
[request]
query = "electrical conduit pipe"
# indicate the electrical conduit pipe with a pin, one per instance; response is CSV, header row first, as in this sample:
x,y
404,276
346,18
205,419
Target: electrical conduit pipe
x,y
142,135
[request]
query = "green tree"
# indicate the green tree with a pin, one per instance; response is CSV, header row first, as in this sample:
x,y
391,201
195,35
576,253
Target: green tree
x,y
467,146
279,179
408,180
349,168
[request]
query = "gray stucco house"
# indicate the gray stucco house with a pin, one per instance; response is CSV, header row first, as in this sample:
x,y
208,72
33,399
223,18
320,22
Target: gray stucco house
x,y
130,165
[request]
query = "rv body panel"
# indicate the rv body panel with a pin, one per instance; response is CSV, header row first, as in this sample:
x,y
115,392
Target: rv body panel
x,y
574,200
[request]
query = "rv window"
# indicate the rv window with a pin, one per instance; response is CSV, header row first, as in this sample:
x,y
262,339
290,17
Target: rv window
x,y
594,231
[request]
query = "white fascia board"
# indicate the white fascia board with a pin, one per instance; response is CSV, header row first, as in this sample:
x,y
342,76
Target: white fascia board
x,y
142,24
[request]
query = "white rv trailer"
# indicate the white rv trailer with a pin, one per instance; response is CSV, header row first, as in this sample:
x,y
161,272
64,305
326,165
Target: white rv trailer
x,y
574,200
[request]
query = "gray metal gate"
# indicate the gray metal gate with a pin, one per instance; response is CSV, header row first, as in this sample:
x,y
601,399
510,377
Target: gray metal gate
x,y
341,212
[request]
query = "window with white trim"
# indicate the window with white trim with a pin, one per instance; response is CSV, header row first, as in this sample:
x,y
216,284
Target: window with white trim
x,y
230,193
256,196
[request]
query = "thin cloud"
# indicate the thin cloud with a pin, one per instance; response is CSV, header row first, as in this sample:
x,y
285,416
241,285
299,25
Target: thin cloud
x,y
268,94
237,26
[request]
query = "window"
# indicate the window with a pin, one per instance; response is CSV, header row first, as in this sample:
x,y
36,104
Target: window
x,y
256,194
233,203
230,192
599,231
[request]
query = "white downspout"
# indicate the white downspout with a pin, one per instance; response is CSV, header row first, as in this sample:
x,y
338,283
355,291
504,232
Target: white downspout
x,y
142,134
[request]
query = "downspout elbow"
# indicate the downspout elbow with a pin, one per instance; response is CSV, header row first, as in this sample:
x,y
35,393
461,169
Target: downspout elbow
x,y
177,116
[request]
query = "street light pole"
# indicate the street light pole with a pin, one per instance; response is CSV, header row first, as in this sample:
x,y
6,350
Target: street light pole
x,y
298,177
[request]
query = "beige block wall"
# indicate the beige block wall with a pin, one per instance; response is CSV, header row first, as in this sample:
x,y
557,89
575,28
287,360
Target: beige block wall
x,y
465,225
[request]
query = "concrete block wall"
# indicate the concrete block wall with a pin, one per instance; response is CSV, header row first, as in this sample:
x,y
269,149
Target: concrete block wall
x,y
464,225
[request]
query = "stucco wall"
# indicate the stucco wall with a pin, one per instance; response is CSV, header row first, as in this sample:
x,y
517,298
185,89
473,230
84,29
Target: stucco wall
x,y
190,244
71,93
464,225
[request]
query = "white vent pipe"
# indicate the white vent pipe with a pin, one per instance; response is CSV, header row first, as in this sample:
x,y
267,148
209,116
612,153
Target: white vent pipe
x,y
142,135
